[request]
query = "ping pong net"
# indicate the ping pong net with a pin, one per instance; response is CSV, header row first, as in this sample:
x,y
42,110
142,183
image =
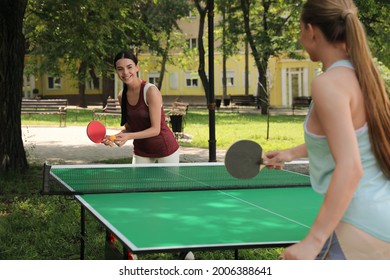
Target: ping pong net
x,y
116,178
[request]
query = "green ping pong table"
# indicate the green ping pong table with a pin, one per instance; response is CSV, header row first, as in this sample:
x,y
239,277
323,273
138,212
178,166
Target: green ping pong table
x,y
199,206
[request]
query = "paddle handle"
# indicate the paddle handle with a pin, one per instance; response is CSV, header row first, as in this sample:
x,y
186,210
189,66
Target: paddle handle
x,y
112,139
278,165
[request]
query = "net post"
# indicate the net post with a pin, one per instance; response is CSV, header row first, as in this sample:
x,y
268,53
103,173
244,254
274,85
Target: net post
x,y
82,232
46,178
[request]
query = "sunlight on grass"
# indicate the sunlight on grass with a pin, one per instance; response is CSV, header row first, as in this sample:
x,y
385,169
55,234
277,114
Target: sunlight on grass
x,y
284,131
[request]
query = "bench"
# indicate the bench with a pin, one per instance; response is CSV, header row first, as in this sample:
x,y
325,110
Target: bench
x,y
113,109
46,106
178,108
301,102
245,100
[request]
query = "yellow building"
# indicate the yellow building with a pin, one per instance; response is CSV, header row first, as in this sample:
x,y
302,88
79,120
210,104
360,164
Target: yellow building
x,y
287,78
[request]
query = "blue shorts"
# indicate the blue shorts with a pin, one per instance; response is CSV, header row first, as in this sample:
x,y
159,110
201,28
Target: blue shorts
x,y
331,250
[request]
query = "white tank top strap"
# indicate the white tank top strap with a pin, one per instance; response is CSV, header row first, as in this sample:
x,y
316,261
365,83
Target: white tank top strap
x,y
146,87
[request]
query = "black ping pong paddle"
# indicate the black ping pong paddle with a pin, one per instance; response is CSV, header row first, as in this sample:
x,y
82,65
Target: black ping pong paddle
x,y
243,159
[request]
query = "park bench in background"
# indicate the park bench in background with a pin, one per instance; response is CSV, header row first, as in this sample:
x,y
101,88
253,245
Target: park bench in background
x,y
112,109
301,102
244,100
175,115
46,106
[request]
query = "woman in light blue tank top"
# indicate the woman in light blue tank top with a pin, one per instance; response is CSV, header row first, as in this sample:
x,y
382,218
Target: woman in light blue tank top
x,y
346,140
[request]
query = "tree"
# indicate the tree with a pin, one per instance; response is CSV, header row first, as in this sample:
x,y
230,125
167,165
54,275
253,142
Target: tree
x,y
12,51
231,36
84,35
80,37
161,17
269,27
202,8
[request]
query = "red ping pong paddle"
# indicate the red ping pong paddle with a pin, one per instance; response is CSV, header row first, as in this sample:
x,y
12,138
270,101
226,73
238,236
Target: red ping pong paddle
x,y
243,159
96,132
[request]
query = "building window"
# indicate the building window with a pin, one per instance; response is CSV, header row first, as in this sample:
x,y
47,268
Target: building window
x,y
153,78
174,80
53,83
192,80
230,78
192,43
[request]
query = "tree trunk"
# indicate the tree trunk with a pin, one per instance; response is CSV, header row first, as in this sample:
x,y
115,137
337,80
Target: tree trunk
x,y
201,50
108,88
81,81
12,51
164,62
162,69
261,62
262,92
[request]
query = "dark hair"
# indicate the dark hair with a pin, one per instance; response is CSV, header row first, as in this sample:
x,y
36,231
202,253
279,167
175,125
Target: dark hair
x,y
126,54
130,55
339,22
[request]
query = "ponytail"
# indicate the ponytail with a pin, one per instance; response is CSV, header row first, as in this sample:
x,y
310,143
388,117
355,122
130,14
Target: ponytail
x,y
373,88
339,22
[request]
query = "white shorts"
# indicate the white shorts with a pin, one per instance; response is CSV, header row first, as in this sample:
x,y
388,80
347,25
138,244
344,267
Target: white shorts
x,y
173,158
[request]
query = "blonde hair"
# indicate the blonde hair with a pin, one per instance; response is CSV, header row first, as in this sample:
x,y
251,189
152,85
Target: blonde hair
x,y
338,20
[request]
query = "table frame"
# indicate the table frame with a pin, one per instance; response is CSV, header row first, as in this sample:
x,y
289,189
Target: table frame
x,y
128,251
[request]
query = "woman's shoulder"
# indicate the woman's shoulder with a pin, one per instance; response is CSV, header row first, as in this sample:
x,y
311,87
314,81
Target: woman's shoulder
x,y
329,91
152,94
333,81
150,88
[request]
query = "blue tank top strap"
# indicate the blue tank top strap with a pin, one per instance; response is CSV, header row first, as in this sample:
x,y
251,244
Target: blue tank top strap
x,y
343,63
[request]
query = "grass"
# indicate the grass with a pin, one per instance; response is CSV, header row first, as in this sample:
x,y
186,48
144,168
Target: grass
x,y
284,130
34,227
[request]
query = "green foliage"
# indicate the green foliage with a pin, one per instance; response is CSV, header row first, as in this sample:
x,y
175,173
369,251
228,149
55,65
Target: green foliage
x,y
385,73
161,18
374,15
72,31
31,229
93,31
230,29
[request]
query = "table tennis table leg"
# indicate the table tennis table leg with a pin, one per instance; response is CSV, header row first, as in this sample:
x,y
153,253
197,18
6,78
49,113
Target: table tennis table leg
x,y
236,254
82,233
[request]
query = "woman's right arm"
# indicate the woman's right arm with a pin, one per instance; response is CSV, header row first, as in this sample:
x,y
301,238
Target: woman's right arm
x,y
278,158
